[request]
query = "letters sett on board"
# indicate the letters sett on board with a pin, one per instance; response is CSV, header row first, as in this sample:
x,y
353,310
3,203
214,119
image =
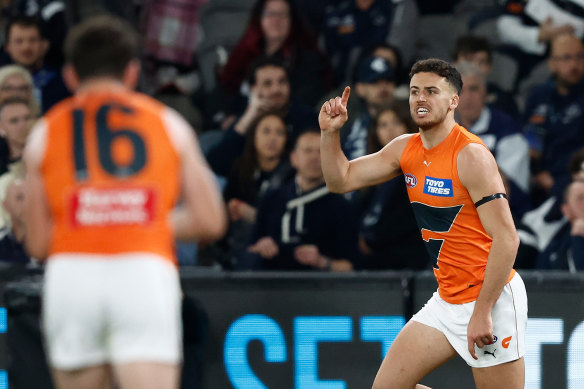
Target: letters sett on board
x,y
308,331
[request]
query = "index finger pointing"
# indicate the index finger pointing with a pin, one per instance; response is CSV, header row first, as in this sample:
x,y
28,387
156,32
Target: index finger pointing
x,y
345,97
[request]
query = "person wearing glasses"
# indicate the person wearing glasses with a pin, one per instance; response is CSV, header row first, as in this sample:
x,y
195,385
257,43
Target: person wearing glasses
x,y
554,118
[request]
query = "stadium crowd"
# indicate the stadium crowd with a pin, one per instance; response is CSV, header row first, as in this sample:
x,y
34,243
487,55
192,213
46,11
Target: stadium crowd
x,y
250,77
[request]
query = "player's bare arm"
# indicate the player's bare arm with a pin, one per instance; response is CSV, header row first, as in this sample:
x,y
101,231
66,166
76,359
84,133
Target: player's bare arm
x,y
37,215
479,173
342,175
202,215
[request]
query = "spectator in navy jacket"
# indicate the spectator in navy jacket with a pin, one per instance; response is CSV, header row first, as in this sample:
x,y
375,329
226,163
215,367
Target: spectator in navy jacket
x,y
375,85
389,237
566,249
352,25
500,133
554,116
478,50
301,225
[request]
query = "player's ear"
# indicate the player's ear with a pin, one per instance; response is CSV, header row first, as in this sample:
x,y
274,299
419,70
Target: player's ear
x,y
70,77
132,74
454,102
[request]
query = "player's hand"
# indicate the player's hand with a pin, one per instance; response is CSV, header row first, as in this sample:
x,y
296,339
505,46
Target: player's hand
x,y
333,114
479,331
266,247
308,254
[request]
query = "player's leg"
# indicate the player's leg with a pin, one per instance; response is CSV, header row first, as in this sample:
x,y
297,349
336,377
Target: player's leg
x,y
145,323
94,377
416,351
510,375
147,375
509,322
72,323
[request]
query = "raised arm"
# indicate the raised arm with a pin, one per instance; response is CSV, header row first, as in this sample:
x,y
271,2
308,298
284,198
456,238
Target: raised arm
x,y
478,172
342,175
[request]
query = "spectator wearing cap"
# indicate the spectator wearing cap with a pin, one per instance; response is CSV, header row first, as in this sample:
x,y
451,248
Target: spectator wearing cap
x,y
375,86
352,25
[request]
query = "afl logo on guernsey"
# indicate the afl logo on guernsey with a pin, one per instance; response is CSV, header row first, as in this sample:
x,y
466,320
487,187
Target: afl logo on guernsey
x,y
411,180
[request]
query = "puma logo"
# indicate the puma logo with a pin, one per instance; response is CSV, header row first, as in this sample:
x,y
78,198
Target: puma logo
x,y
490,353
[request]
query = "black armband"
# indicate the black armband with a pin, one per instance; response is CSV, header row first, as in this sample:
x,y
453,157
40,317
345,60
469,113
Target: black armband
x,y
486,199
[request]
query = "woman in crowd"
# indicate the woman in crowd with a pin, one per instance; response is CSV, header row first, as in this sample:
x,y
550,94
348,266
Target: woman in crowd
x,y
389,237
263,165
276,29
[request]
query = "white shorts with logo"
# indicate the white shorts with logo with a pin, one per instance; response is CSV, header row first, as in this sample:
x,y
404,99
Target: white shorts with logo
x,y
123,308
509,317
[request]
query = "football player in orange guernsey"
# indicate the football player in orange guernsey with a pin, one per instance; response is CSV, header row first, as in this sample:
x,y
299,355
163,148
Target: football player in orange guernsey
x,y
105,170
480,309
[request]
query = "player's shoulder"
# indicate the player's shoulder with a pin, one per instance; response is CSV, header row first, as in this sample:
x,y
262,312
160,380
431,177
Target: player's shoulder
x,y
475,159
60,109
145,102
402,140
466,136
398,144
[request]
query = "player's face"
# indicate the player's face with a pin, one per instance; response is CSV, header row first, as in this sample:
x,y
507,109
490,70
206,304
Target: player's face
x,y
15,122
15,86
306,157
270,137
389,127
378,94
276,20
472,98
567,60
25,45
430,99
272,85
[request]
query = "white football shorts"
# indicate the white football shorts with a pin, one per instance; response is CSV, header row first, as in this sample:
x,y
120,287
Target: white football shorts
x,y
509,317
111,310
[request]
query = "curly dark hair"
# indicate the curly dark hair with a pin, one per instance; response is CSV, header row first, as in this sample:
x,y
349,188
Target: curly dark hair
x,y
441,68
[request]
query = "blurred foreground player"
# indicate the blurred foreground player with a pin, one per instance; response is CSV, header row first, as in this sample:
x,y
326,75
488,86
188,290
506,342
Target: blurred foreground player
x,y
105,170
480,309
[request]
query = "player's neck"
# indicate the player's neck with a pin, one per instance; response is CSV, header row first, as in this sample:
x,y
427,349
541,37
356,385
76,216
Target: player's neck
x,y
101,84
433,136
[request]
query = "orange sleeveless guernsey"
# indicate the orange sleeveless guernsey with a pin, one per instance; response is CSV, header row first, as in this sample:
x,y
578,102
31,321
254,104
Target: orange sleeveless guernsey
x,y
111,175
452,231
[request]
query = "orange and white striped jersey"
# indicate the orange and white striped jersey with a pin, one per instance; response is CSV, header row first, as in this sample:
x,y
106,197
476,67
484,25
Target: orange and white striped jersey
x,y
451,228
111,170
